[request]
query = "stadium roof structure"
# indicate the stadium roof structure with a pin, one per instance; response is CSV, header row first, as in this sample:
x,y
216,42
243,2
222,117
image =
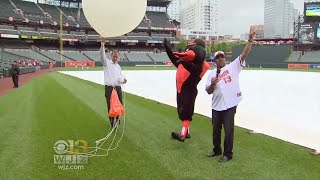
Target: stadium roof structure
x,y
158,3
275,39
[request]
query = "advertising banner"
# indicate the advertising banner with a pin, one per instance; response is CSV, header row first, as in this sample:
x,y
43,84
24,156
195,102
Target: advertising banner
x,y
79,63
298,66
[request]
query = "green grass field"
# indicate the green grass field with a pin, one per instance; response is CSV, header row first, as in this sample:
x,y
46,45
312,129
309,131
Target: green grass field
x,y
56,106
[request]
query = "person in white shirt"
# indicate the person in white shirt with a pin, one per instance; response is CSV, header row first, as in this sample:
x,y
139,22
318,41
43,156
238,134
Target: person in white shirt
x,y
223,84
113,78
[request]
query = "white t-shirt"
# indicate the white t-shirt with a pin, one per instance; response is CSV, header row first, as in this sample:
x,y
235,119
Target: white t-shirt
x,y
227,92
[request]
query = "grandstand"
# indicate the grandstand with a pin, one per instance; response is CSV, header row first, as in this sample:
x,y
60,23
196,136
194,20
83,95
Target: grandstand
x,y
304,57
136,57
159,57
31,11
7,10
27,54
31,31
54,55
159,20
310,57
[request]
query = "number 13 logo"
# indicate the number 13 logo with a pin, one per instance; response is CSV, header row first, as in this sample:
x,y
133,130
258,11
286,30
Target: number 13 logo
x,y
227,79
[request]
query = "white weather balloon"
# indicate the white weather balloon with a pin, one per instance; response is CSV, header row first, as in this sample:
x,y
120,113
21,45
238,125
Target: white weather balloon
x,y
111,18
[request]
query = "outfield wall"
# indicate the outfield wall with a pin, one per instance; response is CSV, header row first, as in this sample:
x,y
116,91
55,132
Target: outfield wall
x,y
281,104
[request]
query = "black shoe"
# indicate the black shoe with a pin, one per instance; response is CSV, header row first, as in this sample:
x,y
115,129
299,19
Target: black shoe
x,y
212,154
177,136
225,159
188,136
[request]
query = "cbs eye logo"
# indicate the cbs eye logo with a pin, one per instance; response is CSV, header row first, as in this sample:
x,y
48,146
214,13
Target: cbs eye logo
x,y
71,147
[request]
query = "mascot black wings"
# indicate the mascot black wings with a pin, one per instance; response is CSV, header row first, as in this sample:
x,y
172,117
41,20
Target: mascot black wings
x,y
191,66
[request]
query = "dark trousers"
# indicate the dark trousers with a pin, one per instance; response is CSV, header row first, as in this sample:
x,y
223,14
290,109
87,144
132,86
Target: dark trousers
x,y
225,118
185,104
15,80
108,91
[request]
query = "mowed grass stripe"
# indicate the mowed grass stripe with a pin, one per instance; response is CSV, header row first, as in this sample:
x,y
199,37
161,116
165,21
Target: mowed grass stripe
x,y
16,126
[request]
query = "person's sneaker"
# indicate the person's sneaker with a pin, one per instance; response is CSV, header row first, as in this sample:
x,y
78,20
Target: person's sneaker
x,y
188,136
177,136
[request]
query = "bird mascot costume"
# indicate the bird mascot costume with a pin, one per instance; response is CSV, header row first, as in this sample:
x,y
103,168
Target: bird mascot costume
x,y
191,67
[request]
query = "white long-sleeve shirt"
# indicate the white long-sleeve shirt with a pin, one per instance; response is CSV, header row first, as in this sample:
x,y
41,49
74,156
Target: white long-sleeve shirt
x,y
112,71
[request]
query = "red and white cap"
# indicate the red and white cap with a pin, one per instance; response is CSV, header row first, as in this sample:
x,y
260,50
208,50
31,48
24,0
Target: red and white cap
x,y
218,53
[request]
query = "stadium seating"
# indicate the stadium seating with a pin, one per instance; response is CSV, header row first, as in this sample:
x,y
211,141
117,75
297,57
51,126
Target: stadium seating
x,y
294,56
55,13
159,57
66,35
138,34
29,54
8,58
70,13
28,31
159,19
7,11
138,57
78,35
143,24
311,56
26,47
95,55
162,35
75,55
52,10
139,38
92,36
83,21
54,55
6,29
31,11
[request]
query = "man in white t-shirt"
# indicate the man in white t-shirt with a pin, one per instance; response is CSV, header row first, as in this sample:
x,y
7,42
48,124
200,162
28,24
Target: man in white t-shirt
x,y
223,84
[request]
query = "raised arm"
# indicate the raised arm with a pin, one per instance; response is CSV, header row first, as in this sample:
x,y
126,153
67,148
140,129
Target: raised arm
x,y
172,57
103,56
247,49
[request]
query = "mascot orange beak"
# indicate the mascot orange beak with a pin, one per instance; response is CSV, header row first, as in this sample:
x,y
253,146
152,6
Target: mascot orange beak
x,y
187,56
